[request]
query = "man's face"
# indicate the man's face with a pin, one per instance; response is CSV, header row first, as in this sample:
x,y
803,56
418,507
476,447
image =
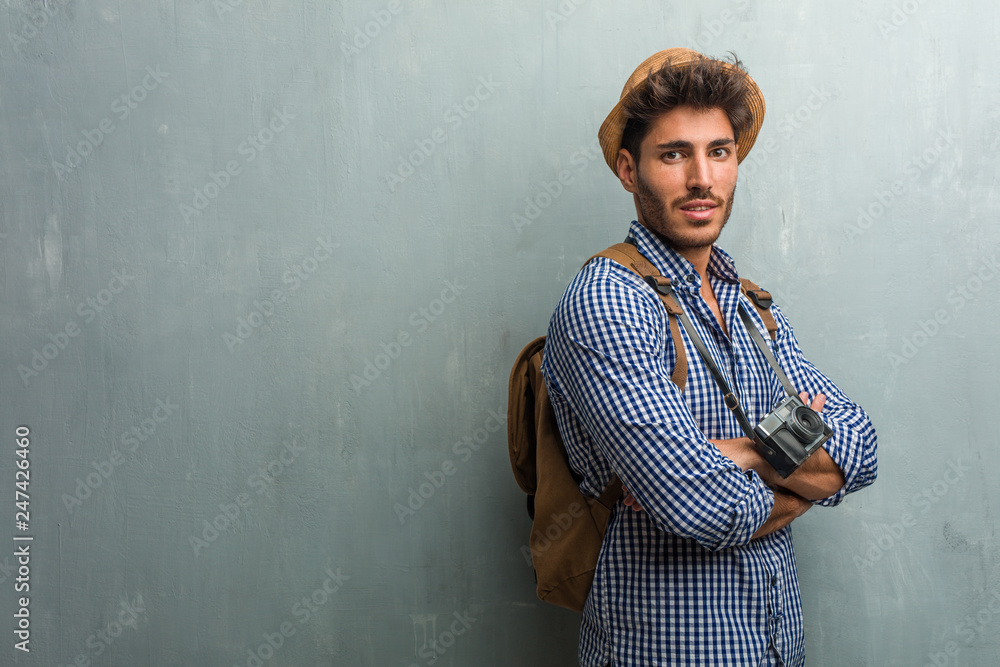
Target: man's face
x,y
686,177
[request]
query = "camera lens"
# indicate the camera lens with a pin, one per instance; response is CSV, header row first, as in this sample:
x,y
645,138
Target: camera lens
x,y
805,423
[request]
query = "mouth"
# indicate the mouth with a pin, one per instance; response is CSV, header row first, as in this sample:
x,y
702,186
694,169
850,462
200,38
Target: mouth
x,y
699,210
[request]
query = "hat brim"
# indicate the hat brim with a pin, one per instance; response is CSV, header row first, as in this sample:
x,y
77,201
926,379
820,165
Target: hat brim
x,y
610,134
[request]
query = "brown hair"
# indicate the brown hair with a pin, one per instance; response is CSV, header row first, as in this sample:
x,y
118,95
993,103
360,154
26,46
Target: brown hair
x,y
703,84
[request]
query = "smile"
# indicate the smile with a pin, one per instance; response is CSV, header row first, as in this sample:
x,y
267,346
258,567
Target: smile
x,y
699,211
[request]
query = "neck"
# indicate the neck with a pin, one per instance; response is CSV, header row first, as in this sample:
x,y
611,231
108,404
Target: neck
x,y
699,259
698,256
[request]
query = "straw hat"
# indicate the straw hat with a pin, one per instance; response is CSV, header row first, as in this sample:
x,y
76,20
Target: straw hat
x,y
610,134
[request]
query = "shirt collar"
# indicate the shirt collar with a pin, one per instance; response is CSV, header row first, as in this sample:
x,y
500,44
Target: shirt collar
x,y
672,265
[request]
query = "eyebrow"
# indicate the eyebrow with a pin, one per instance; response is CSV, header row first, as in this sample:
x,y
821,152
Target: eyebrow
x,y
681,144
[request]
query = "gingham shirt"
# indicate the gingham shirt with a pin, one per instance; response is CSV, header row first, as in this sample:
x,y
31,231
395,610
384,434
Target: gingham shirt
x,y
682,583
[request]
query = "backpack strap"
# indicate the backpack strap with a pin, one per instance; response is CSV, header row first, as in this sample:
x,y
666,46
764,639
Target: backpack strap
x,y
680,374
612,492
761,299
629,256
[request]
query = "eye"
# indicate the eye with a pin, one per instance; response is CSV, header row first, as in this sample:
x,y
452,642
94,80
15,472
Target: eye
x,y
719,152
672,156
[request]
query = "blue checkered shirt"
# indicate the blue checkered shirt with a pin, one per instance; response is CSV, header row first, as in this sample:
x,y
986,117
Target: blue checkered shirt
x,y
682,583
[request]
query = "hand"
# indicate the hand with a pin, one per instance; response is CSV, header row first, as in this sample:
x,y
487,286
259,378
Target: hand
x,y
819,476
742,452
817,403
630,501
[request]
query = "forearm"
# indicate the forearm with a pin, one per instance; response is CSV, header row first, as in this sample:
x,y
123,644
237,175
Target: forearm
x,y
787,508
616,403
853,446
818,478
657,449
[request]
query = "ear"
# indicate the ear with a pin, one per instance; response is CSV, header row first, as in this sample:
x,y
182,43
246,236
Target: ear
x,y
626,170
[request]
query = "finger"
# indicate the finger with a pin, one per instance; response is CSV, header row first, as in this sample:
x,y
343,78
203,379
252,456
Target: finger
x,y
630,501
804,397
819,402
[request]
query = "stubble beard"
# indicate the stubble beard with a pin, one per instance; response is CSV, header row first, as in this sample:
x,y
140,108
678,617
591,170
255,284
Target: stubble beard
x,y
654,215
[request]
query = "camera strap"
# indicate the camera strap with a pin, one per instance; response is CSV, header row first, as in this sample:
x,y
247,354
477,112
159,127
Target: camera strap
x,y
662,286
765,350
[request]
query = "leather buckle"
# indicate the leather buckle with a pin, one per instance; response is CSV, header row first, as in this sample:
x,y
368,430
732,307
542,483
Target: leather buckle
x,y
760,298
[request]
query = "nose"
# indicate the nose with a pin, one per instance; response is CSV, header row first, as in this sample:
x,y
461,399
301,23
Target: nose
x,y
699,173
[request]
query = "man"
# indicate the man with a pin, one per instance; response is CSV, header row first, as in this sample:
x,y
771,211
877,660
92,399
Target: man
x,y
705,573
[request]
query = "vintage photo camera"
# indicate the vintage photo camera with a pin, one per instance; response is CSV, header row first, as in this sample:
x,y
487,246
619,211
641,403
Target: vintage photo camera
x,y
789,434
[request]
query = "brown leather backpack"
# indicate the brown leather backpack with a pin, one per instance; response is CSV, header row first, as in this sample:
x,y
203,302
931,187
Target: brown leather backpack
x,y
568,527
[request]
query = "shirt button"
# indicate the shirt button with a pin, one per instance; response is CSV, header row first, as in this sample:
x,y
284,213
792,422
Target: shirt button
x,y
690,278
774,582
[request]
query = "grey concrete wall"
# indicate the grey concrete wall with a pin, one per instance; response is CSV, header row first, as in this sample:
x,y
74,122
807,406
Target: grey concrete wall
x,y
263,278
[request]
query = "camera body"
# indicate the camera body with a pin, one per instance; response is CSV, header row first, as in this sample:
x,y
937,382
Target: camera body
x,y
789,434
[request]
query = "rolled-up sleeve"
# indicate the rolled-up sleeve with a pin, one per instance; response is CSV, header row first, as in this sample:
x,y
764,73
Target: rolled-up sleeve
x,y
853,445
608,362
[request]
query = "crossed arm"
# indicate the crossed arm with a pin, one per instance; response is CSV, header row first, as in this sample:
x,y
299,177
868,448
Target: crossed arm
x,y
619,409
819,477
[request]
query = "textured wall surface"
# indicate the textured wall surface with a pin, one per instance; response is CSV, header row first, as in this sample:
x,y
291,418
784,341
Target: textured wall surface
x,y
266,263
